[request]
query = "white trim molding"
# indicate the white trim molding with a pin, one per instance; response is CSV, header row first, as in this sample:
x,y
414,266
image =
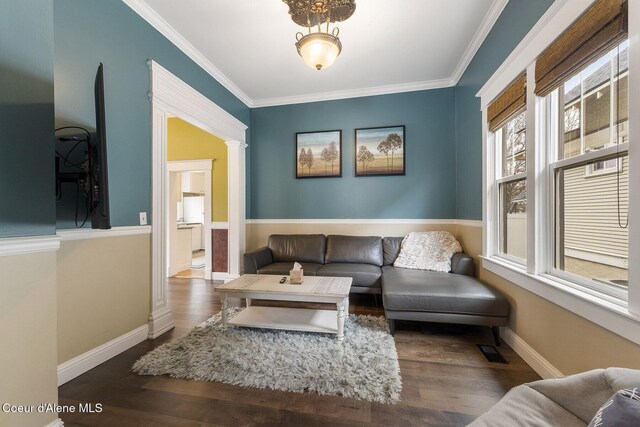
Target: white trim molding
x,y
219,225
463,222
55,423
28,245
88,233
542,366
94,357
483,31
157,22
634,152
171,97
353,93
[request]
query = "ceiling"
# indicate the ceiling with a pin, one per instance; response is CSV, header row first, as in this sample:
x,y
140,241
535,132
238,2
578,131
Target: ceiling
x,y
388,45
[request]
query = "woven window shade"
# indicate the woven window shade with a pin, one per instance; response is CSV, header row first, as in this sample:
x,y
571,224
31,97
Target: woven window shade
x,y
599,29
510,101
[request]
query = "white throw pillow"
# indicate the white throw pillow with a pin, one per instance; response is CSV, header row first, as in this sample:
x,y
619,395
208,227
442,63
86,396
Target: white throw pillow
x,y
431,250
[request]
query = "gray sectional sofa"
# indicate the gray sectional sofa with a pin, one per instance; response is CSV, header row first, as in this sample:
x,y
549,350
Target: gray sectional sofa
x,y
418,295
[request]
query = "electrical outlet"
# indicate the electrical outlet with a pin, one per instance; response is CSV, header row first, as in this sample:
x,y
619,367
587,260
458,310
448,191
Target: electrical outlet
x,y
143,218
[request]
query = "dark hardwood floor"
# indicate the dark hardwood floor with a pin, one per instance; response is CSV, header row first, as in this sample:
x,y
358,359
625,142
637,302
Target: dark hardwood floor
x,y
446,381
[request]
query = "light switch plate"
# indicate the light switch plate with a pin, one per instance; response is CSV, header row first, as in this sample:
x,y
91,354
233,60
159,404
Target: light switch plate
x,y
143,218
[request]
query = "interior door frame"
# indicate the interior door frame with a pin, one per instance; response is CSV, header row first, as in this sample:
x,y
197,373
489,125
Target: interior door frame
x,y
171,97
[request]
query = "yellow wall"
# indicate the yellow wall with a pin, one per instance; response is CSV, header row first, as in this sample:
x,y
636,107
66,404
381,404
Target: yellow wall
x,y
188,142
569,342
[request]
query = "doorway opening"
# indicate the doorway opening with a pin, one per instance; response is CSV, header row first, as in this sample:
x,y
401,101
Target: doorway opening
x,y
170,98
189,217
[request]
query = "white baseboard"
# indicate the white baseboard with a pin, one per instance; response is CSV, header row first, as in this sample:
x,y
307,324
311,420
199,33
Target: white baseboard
x,y
160,321
542,366
94,357
230,277
55,423
216,275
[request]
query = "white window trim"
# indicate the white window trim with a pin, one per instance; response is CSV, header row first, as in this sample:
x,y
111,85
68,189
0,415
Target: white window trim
x,y
619,316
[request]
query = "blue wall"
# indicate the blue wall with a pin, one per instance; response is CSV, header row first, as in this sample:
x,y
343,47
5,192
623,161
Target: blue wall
x,y
427,190
27,205
518,17
88,32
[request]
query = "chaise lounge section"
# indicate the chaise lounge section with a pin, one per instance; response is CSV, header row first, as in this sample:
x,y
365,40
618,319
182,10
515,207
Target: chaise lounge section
x,y
433,296
414,295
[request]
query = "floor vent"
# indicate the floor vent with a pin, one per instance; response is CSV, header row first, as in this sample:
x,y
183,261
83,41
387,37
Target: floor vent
x,y
492,354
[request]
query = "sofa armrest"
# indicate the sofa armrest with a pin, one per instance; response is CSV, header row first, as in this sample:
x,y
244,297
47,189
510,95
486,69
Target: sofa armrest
x,y
462,264
583,394
253,261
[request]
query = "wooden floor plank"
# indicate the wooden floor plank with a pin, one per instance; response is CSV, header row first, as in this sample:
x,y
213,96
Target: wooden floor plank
x,y
446,380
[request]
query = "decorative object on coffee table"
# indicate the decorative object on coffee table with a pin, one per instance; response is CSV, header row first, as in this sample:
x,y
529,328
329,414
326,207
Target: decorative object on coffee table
x,y
363,367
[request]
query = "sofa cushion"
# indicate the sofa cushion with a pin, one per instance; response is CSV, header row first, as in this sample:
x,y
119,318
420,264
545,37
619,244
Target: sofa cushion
x,y
282,268
391,248
297,247
523,406
622,409
437,292
362,274
428,250
354,249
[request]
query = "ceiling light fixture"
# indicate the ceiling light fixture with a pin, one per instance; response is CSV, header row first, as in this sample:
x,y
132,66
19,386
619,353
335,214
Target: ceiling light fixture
x,y
319,49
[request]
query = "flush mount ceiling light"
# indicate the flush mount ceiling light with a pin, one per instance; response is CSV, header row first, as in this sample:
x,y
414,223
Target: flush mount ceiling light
x,y
319,49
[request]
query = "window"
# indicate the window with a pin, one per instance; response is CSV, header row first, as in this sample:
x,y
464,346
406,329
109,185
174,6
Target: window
x,y
510,142
591,175
576,183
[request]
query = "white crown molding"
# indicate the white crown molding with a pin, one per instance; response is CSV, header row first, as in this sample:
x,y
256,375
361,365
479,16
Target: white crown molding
x,y
542,366
28,245
55,423
353,93
157,22
163,27
483,31
89,233
94,357
471,223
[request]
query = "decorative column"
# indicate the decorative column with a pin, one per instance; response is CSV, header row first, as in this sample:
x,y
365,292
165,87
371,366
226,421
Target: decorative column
x,y
160,318
236,160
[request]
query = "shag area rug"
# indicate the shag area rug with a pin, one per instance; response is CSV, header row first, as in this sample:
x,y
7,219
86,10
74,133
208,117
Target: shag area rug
x,y
364,366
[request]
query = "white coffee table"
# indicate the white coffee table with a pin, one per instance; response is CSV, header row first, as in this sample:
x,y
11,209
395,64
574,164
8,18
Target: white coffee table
x,y
314,289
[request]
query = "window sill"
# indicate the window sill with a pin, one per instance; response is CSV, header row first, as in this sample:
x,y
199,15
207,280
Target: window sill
x,y
608,313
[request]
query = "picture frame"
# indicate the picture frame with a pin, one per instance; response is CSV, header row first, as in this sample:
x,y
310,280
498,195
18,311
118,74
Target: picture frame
x,y
322,155
380,151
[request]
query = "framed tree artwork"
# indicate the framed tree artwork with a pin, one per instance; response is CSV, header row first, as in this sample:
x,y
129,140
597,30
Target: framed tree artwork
x,y
380,151
319,154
